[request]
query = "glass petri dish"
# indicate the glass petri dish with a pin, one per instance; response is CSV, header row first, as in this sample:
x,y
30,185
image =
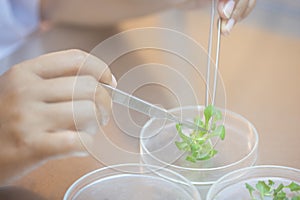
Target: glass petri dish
x,y
238,150
132,181
232,185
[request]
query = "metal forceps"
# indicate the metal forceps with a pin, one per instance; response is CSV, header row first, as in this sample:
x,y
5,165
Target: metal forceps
x,y
122,98
210,41
215,75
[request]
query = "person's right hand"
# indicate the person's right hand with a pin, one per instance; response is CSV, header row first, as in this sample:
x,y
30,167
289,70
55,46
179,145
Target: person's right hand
x,y
38,100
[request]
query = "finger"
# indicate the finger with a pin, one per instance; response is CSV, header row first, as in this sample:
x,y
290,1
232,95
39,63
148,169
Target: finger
x,y
227,25
232,14
250,7
225,8
77,115
239,10
61,143
70,63
69,88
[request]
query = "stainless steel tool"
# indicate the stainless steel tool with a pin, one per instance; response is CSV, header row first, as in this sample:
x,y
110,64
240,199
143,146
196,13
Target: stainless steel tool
x,y
151,110
210,44
217,55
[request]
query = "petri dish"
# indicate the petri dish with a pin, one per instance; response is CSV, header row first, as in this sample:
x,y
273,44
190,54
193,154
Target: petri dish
x,y
232,185
238,150
132,181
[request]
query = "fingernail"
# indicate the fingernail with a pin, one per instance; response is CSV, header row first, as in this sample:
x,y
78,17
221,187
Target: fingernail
x,y
113,81
228,8
228,27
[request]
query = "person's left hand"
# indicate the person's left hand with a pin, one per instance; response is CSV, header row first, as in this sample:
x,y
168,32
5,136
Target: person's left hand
x,y
232,11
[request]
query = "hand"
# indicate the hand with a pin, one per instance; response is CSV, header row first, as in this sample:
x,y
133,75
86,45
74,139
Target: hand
x,y
232,11
38,100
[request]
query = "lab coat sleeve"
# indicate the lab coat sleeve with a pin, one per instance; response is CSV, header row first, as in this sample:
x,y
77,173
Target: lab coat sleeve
x,y
18,18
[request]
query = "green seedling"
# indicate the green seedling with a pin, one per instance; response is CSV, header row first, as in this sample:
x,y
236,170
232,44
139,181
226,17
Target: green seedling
x,y
197,144
268,190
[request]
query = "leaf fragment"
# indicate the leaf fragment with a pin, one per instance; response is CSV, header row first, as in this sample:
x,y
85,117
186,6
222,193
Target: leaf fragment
x,y
263,189
268,189
250,189
294,187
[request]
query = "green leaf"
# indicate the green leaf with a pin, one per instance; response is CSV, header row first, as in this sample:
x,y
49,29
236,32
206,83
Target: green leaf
x,y
271,183
194,147
200,140
182,145
294,187
191,158
179,128
263,189
280,196
250,189
181,134
209,155
208,113
217,116
220,131
278,189
296,197
198,121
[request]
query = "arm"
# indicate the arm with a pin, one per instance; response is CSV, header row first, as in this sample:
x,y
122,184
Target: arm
x,y
100,12
106,12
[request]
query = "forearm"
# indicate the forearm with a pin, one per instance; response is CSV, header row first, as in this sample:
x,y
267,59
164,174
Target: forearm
x,y
101,12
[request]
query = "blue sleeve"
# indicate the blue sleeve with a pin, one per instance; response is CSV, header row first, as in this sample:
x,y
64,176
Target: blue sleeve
x,y
18,18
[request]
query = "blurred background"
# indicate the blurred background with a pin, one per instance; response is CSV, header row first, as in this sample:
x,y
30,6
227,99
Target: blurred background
x,y
277,15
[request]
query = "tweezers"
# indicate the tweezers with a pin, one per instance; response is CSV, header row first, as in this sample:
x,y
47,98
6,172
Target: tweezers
x,y
130,101
210,41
